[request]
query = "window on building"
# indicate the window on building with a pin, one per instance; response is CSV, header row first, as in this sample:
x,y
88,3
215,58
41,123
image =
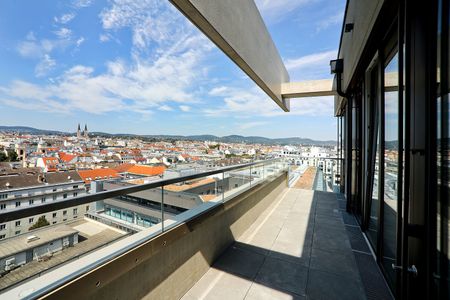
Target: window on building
x,y
30,220
31,201
54,215
75,186
17,223
2,226
87,207
17,203
43,199
65,195
54,197
2,206
54,190
17,232
2,236
3,196
64,212
75,194
75,211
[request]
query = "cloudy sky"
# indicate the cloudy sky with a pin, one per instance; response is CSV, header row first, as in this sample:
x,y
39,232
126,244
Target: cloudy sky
x,y
138,66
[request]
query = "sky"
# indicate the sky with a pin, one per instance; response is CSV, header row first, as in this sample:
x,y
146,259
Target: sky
x,y
139,66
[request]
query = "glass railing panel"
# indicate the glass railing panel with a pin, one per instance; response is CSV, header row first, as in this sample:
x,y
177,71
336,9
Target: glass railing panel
x,y
41,235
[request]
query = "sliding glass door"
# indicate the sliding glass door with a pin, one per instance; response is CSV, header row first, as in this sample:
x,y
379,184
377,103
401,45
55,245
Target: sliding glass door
x,y
392,172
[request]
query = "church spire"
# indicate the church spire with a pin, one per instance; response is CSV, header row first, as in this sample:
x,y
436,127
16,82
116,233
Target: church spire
x,y
78,131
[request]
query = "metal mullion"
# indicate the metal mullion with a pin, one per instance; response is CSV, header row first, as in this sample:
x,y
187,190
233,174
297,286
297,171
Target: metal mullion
x,y
400,144
443,193
380,102
407,146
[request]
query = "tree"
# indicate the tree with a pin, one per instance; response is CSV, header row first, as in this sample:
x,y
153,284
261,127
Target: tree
x,y
41,222
12,156
3,156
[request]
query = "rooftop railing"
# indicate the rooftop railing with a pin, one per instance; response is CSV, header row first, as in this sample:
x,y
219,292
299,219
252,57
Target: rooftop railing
x,y
139,223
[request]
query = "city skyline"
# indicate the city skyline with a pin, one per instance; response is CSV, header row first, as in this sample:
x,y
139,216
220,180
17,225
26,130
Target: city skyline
x,y
142,68
45,131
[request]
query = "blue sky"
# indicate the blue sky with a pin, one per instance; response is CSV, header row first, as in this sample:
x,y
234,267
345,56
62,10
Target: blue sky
x,y
139,66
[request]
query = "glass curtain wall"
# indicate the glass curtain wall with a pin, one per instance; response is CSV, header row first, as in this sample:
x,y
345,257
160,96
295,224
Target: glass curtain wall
x,y
442,268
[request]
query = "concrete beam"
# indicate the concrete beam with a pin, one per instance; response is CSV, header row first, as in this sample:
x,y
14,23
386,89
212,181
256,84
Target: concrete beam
x,y
238,29
310,88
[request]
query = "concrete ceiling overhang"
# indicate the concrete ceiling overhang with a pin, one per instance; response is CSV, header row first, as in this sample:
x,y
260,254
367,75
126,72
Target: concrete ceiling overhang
x,y
237,28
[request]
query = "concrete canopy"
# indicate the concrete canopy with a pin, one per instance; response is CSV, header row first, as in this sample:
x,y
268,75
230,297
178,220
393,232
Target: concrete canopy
x,y
238,29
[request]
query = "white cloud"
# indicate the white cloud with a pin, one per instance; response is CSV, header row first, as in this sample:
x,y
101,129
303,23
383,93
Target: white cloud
x,y
165,108
248,125
63,33
332,20
167,72
185,108
151,22
217,91
138,86
44,66
309,67
82,3
275,10
65,18
253,101
104,38
30,36
38,48
315,59
80,41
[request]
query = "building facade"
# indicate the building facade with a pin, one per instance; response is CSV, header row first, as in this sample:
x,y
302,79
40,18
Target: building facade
x,y
22,188
393,79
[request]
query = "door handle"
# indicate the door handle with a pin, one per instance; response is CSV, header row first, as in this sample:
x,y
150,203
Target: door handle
x,y
412,269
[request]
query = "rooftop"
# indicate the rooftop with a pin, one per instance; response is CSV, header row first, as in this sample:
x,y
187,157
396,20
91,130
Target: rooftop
x,y
44,235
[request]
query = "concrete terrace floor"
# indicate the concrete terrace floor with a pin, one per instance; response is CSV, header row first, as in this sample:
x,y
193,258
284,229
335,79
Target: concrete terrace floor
x,y
297,249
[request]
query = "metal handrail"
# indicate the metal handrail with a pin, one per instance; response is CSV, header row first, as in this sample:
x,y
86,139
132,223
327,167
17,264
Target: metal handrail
x,y
89,198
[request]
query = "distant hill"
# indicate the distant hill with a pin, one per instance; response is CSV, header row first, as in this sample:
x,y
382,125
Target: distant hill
x,y
205,137
31,130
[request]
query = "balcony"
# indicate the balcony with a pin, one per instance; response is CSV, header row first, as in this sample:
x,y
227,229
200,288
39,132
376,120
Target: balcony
x,y
262,240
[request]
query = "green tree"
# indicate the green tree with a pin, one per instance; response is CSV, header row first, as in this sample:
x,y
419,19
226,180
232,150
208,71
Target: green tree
x,y
3,156
41,222
12,156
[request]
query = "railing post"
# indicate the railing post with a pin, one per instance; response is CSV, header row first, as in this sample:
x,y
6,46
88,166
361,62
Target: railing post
x,y
250,176
162,209
223,186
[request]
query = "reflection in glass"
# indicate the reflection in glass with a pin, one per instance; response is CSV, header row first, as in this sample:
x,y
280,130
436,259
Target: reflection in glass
x,y
443,154
391,168
372,230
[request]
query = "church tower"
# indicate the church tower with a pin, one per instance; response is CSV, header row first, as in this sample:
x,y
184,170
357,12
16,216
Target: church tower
x,y
85,132
78,131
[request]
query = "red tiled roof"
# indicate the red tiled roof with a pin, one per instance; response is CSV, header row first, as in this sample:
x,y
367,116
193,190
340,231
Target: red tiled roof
x,y
123,167
89,175
50,160
146,170
66,157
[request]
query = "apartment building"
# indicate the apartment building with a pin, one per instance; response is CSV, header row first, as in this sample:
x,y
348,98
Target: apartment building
x,y
29,187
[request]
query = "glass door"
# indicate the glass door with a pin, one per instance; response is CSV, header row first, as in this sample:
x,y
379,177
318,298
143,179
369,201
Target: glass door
x,y
372,154
392,172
